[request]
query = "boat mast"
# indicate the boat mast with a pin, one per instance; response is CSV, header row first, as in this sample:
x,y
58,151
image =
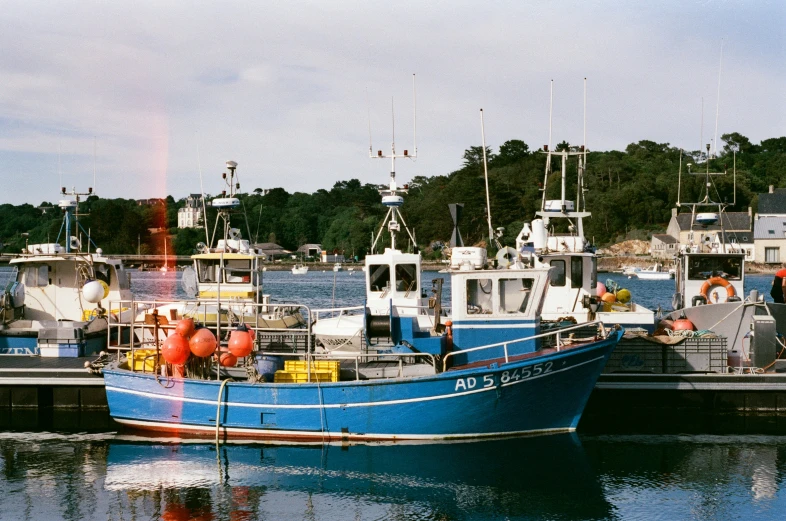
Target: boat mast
x,y
486,177
392,195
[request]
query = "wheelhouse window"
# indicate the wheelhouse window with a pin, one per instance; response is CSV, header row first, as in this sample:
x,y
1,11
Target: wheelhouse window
x,y
207,270
576,272
379,277
479,296
238,270
514,295
104,272
36,276
406,277
558,273
702,268
594,272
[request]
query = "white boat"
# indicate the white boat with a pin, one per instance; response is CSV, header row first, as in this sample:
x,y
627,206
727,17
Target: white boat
x,y
393,281
230,271
574,288
55,306
299,269
337,266
630,271
654,273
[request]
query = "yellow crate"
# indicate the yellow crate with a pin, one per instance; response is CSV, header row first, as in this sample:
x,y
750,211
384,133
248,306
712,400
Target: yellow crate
x,y
334,366
144,360
297,377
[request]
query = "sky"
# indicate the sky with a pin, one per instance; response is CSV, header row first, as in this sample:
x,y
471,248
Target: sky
x,y
153,97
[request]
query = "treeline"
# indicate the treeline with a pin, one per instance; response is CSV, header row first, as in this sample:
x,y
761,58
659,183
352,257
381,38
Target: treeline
x,y
630,194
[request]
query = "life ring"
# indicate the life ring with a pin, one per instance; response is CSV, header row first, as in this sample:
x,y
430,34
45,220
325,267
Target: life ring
x,y
717,281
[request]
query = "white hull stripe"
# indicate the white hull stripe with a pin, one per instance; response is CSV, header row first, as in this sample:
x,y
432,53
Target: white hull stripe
x,y
346,405
493,326
317,435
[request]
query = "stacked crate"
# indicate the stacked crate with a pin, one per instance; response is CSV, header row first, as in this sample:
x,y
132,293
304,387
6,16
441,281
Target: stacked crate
x,y
640,354
296,371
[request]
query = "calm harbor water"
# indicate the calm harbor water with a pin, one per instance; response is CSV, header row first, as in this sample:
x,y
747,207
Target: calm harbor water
x,y
101,474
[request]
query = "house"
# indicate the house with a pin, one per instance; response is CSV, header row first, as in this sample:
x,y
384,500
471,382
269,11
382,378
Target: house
x,y
332,257
737,232
663,246
191,214
272,250
773,203
769,237
310,250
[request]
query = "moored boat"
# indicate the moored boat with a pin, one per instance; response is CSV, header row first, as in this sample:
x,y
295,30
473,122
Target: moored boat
x,y
654,273
488,371
56,306
225,280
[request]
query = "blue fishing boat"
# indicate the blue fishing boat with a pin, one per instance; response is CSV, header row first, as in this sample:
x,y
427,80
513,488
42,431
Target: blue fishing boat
x,y
488,371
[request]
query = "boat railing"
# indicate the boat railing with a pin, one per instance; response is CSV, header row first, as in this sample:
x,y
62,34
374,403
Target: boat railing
x,y
145,325
318,314
558,334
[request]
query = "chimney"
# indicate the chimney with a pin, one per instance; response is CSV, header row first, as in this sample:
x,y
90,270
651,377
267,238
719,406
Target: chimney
x,y
772,189
674,212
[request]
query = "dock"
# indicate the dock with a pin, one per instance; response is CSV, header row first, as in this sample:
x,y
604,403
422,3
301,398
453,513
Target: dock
x,y
30,382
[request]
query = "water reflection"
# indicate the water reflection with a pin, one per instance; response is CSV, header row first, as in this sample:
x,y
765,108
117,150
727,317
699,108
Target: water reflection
x,y
100,476
94,478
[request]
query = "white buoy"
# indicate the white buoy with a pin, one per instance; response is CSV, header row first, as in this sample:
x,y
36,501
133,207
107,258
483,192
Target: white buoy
x,y
93,291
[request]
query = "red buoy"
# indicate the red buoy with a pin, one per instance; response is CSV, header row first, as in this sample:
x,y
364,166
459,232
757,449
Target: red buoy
x,y
227,359
203,343
185,327
240,343
175,349
683,324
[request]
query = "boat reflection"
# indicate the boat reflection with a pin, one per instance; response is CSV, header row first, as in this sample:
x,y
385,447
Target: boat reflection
x,y
534,477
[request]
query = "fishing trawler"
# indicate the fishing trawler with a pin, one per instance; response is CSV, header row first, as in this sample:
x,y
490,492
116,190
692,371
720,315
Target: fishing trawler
x,y
488,371
229,270
56,306
557,236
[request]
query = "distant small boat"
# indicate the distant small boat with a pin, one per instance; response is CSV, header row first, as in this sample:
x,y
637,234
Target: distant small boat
x,y
337,266
653,273
299,269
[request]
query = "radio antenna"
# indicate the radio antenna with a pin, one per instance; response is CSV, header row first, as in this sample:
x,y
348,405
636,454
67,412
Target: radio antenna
x,y
202,189
414,118
368,110
94,162
717,106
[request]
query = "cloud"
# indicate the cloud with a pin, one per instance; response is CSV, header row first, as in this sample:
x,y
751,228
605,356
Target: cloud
x,y
282,88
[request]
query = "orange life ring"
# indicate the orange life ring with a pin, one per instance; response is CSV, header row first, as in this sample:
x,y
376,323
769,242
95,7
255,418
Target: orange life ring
x,y
717,281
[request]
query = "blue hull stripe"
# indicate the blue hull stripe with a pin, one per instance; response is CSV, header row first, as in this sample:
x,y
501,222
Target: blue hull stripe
x,y
347,405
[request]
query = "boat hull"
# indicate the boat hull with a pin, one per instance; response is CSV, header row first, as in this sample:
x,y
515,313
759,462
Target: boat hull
x,y
545,393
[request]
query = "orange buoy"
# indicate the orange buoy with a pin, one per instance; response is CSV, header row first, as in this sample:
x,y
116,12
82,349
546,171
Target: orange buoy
x,y
175,349
227,359
240,343
185,327
202,343
683,324
449,335
250,331
609,298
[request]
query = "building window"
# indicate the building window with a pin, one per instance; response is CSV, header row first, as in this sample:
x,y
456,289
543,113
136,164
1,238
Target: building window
x,y
771,232
772,255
